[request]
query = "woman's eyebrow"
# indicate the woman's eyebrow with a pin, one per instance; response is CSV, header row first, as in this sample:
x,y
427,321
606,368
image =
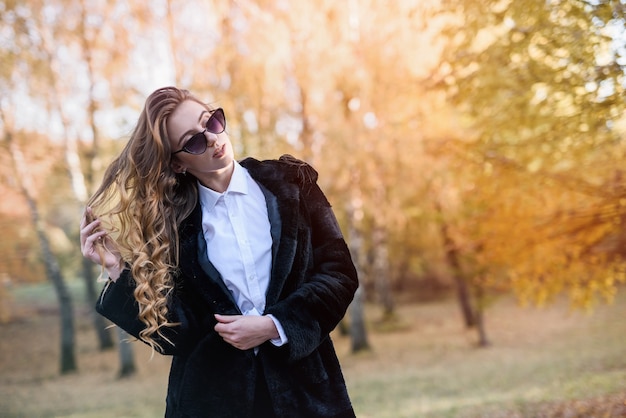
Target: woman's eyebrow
x,y
192,130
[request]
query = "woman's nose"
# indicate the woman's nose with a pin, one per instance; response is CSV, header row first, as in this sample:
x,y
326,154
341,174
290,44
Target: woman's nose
x,y
211,138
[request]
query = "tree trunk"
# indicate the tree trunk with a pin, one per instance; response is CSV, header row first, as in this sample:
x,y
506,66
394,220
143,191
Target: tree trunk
x,y
464,300
5,299
127,359
358,332
53,272
68,358
452,257
381,272
483,341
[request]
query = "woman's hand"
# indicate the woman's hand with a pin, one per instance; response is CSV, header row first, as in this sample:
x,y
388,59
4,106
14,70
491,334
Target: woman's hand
x,y
97,246
245,332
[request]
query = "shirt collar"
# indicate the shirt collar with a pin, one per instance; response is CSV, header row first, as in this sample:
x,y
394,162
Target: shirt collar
x,y
238,184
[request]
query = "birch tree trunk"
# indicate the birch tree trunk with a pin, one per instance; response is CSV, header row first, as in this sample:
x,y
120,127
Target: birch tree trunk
x,y
358,331
381,272
53,272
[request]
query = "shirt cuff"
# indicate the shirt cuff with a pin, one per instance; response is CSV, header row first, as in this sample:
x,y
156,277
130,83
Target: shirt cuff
x,y
282,337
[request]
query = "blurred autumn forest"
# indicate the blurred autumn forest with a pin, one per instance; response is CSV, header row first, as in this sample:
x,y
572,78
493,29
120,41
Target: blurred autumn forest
x,y
467,146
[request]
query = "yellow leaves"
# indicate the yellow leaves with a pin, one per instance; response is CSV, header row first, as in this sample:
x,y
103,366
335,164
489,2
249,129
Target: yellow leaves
x,y
586,280
619,276
543,236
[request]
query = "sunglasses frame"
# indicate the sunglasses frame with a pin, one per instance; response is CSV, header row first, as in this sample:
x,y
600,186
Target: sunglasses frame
x,y
222,122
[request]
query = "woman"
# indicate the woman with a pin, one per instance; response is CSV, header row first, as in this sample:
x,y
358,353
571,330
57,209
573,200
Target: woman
x,y
237,269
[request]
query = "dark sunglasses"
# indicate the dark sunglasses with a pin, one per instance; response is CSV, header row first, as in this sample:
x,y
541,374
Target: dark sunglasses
x,y
197,144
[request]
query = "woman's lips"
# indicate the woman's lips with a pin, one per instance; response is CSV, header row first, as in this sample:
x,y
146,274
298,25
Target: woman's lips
x,y
219,152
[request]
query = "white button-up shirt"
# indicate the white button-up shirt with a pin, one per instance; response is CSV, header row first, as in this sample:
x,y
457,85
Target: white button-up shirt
x,y
239,244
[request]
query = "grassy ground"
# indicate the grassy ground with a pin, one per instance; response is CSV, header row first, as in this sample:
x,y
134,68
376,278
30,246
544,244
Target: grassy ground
x,y
542,363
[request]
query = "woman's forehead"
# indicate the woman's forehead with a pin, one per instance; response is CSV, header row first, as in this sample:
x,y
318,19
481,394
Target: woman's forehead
x,y
189,108
187,114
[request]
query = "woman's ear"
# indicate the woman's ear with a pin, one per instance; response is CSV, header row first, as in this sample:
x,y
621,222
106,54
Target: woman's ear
x,y
177,166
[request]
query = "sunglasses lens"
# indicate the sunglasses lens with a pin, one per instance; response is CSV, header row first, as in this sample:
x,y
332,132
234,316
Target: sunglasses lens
x,y
217,122
196,144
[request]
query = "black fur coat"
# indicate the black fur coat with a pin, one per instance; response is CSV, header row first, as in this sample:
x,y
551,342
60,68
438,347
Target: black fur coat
x,y
313,281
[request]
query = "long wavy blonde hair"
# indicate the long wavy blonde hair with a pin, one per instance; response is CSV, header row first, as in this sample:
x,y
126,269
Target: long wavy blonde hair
x,y
142,202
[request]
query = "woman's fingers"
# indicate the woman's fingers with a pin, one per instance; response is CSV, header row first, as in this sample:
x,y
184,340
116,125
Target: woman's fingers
x,y
91,236
87,224
95,243
89,245
88,231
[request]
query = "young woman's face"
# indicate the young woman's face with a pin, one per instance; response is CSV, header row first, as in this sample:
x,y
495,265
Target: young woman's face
x,y
188,119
